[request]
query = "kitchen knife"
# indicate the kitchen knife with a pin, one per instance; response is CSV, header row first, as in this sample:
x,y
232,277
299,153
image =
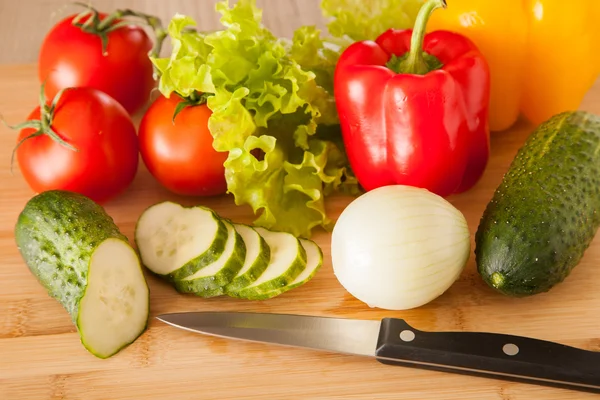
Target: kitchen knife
x,y
394,342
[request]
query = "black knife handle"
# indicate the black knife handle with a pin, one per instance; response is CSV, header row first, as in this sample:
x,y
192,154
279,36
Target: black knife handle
x,y
490,355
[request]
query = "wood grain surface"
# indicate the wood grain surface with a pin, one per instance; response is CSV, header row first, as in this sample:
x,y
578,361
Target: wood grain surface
x,y
41,356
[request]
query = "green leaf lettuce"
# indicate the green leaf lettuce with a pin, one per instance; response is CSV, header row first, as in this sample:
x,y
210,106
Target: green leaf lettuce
x,y
273,112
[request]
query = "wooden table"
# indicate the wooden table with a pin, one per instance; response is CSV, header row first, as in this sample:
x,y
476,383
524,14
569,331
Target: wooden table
x,y
41,356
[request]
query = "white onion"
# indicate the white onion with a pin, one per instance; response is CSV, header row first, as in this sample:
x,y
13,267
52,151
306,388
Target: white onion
x,y
399,247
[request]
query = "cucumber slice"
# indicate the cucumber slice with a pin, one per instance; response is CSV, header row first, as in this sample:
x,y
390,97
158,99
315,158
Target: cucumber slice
x,y
314,261
114,307
176,242
258,255
288,260
76,251
211,280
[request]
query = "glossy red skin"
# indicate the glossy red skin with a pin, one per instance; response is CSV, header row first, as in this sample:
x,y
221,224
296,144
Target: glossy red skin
x,y
107,158
429,131
70,57
180,155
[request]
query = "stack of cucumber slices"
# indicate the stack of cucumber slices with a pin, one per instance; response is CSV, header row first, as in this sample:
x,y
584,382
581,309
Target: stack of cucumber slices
x,y
200,253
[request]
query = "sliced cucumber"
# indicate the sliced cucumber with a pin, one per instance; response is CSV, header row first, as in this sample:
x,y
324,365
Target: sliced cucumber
x,y
76,251
176,242
288,260
200,253
211,280
114,307
258,255
314,261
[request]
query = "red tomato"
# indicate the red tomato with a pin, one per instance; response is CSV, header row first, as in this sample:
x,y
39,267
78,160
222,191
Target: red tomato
x,y
70,57
104,135
180,155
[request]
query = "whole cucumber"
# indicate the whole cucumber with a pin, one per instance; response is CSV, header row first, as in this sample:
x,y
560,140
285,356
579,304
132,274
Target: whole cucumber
x,y
76,251
546,211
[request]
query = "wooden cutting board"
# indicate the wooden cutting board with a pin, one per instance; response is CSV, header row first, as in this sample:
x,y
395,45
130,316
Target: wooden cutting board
x,y
41,356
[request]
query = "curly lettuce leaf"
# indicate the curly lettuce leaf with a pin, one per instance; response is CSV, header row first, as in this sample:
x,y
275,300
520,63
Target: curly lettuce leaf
x,y
366,20
273,107
186,71
316,54
291,195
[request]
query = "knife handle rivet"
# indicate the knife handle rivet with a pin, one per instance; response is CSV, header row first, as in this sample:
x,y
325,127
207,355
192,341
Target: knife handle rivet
x,y
510,349
407,335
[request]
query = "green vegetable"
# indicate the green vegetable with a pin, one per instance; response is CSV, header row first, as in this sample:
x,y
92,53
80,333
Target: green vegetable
x,y
314,261
256,261
273,108
288,260
544,214
210,281
78,254
175,241
365,20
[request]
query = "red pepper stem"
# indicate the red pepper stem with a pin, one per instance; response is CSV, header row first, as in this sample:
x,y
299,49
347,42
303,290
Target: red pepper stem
x,y
415,63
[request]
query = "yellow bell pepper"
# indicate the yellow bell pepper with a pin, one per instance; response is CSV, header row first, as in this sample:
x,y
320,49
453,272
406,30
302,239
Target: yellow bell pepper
x,y
544,55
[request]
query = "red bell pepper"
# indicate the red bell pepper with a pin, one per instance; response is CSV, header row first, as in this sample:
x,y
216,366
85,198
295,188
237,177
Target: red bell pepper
x,y
414,108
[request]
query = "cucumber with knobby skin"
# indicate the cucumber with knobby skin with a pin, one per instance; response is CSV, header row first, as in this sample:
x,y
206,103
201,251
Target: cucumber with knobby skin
x,y
76,251
545,213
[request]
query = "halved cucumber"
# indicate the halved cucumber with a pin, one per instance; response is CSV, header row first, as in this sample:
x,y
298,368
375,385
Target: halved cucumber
x,y
257,259
288,260
211,280
176,242
76,251
314,261
114,308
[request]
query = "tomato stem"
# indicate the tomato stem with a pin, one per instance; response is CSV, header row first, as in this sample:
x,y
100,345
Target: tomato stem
x,y
148,20
94,25
91,19
14,152
43,126
195,99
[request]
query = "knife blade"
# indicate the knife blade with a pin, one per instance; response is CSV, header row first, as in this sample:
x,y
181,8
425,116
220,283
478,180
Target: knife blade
x,y
393,341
